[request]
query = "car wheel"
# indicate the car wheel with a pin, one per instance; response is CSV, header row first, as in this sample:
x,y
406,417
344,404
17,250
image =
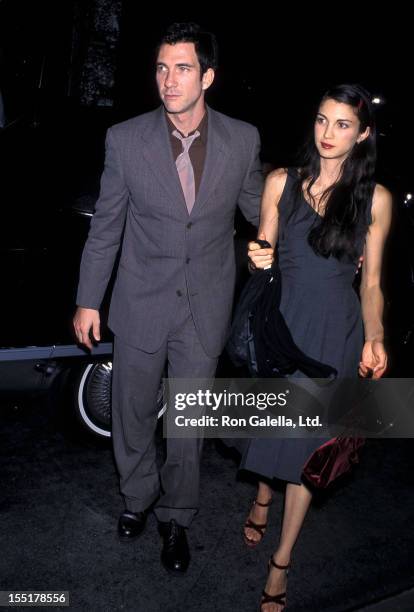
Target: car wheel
x,y
92,398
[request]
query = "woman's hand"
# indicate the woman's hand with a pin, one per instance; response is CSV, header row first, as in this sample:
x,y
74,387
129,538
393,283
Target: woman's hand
x,y
374,359
259,258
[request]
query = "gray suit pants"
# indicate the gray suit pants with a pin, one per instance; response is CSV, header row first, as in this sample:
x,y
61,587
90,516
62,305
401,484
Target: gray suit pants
x,y
136,378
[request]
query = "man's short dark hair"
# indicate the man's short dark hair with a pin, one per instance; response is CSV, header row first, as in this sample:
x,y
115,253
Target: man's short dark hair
x,y
205,43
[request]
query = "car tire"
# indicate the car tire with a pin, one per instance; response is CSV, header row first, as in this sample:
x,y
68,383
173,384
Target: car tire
x,y
92,397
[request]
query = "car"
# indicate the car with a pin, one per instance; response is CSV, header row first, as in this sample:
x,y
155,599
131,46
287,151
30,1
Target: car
x,y
41,239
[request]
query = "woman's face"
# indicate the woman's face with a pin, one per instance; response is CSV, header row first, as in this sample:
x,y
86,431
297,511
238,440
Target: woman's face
x,y
337,130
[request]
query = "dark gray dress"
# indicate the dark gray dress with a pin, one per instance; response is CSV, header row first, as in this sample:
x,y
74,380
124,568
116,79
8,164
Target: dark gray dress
x,y
323,313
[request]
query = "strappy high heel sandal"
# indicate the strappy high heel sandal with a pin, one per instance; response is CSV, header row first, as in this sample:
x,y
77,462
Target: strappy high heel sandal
x,y
249,524
280,598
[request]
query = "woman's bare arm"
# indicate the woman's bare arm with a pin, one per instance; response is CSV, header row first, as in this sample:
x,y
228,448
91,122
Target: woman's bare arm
x,y
268,228
372,300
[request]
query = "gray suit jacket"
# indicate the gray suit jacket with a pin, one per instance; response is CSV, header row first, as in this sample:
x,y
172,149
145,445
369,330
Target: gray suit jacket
x,y
167,253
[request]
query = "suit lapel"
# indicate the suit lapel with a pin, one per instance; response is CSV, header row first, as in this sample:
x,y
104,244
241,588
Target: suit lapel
x,y
158,153
217,153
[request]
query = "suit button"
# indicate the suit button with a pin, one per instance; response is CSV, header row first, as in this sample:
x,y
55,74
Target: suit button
x,y
189,225
187,261
179,293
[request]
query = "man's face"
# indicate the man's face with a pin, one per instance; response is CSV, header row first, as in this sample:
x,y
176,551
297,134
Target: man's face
x,y
179,82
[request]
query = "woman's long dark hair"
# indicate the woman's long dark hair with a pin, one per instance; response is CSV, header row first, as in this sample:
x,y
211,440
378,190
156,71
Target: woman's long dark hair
x,y
346,214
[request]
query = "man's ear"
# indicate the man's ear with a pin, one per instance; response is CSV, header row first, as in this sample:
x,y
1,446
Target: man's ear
x,y
207,79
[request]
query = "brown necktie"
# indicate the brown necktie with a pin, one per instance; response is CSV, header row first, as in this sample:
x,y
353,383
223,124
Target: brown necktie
x,y
185,168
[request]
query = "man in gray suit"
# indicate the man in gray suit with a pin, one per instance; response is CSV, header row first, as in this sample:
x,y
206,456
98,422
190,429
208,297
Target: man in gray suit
x,y
172,180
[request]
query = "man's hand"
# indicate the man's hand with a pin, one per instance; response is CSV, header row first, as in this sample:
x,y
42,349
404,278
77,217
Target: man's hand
x,y
259,258
85,320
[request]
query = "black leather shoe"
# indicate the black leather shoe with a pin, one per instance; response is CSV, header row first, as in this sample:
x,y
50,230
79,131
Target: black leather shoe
x,y
175,554
131,525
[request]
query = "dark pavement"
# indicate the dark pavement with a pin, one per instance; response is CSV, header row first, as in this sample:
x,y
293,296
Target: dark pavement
x,y
60,505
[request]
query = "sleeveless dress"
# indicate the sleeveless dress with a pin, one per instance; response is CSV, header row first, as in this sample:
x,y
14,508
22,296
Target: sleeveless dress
x,y
323,314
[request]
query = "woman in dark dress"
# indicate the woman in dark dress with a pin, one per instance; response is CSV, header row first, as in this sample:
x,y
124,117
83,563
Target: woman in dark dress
x,y
321,218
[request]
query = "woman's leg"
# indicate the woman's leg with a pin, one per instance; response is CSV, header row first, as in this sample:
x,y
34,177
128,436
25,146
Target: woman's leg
x,y
297,502
258,513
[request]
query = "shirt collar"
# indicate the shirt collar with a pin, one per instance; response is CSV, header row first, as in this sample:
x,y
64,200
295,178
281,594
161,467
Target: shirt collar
x,y
202,127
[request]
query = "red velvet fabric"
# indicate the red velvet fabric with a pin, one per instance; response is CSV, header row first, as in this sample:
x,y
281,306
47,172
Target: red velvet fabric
x,y
331,460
